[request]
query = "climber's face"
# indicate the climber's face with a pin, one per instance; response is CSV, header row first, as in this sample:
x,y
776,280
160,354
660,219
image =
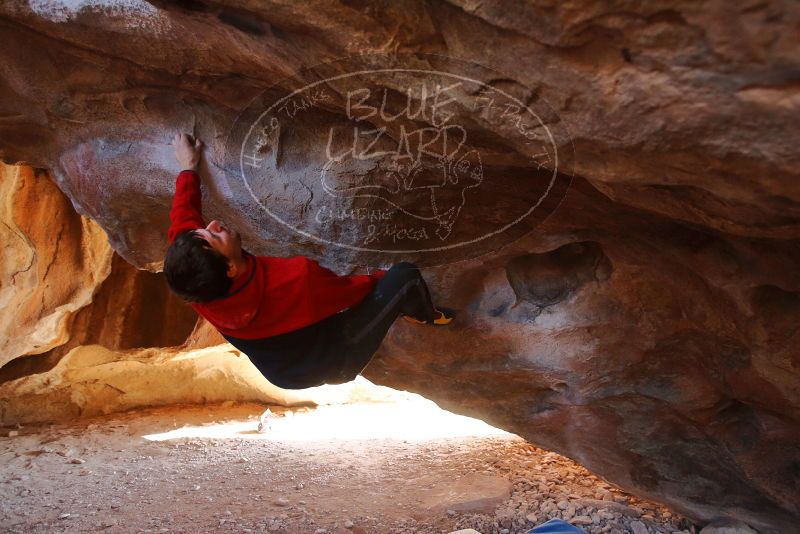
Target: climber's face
x,y
223,240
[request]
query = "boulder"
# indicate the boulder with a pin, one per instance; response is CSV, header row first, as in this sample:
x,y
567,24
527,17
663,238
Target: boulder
x,y
620,235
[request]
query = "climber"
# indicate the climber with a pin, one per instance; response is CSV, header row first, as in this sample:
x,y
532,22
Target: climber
x,y
300,324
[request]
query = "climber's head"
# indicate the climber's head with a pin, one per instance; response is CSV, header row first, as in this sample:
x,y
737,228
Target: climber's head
x,y
201,264
226,242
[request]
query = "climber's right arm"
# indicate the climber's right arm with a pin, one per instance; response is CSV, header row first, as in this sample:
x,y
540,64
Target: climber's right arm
x,y
186,212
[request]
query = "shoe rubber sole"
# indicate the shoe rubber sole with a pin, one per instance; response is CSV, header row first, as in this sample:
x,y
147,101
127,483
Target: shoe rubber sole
x,y
445,317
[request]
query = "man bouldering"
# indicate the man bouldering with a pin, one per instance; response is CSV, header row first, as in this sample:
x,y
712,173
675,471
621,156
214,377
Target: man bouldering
x,y
300,324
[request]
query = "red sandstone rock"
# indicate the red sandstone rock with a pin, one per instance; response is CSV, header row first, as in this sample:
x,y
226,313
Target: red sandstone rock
x,y
648,329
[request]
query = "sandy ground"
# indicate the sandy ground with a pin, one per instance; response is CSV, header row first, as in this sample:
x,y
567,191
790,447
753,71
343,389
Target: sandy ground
x,y
394,467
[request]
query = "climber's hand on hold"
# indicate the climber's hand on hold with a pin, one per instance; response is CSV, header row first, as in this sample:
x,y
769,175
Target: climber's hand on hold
x,y
187,151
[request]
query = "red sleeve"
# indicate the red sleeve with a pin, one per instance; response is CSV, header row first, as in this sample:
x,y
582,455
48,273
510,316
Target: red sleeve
x,y
375,275
186,212
317,271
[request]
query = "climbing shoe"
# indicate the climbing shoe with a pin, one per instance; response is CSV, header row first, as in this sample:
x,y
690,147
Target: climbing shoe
x,y
443,317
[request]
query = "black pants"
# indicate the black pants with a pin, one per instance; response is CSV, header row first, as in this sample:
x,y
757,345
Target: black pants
x,y
336,349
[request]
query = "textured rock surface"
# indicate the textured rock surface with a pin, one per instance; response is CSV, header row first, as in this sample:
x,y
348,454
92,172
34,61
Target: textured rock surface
x,y
647,329
63,286
53,261
92,380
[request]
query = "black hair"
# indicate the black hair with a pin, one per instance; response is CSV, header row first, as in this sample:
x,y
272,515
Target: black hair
x,y
195,271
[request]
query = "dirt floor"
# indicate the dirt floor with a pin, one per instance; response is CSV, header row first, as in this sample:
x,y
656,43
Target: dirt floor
x,y
392,467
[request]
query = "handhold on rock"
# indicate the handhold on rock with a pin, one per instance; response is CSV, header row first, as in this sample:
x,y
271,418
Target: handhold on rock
x,y
547,278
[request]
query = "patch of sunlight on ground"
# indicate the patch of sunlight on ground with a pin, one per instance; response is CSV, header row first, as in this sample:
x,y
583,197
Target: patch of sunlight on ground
x,y
411,419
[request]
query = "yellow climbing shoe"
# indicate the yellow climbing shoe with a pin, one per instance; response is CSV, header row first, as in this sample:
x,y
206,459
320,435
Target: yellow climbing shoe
x,y
444,316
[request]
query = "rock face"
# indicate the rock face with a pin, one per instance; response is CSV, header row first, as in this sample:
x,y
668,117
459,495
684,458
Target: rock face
x,y
93,380
647,328
49,271
63,285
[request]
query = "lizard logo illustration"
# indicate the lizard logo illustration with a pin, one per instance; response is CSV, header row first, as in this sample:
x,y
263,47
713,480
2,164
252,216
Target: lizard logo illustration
x,y
425,184
390,163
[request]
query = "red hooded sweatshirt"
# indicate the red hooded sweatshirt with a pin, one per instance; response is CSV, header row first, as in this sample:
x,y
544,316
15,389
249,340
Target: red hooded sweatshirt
x,y
274,295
